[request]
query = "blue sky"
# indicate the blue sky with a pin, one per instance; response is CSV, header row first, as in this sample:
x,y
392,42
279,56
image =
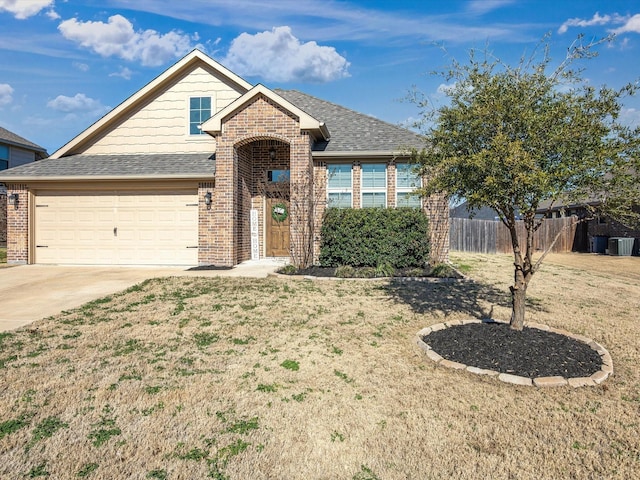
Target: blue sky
x,y
64,64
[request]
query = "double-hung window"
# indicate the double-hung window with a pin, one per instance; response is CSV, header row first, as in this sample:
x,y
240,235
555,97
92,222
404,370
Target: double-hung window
x,y
406,182
339,185
4,157
374,185
199,111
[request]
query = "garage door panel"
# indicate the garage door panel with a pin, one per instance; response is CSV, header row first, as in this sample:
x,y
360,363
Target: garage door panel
x,y
150,228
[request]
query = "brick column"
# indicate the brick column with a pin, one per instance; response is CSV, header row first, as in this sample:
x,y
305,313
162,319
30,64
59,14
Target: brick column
x,y
3,219
18,226
356,190
391,184
320,196
222,225
206,228
302,198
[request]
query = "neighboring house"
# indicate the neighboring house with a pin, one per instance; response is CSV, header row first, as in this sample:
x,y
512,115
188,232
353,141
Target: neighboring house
x,y
484,213
182,172
594,231
14,151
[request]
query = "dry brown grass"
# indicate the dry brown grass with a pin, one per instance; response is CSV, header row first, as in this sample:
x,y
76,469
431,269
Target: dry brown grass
x,y
185,378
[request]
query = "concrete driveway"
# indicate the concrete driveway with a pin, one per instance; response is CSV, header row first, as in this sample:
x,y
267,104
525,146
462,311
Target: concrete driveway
x,y
32,292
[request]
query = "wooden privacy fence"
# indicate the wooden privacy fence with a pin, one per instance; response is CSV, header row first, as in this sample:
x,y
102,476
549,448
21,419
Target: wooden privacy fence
x,y
491,236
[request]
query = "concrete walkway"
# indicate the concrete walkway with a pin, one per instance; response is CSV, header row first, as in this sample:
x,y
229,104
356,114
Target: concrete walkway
x,y
32,292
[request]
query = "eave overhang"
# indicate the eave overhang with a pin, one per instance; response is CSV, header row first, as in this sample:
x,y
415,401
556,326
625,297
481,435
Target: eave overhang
x,y
316,128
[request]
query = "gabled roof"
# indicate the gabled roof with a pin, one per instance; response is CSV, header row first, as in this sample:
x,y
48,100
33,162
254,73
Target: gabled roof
x,y
11,138
113,167
307,122
186,63
352,132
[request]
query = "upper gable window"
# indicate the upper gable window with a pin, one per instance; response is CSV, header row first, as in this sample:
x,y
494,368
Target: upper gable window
x,y
199,112
4,157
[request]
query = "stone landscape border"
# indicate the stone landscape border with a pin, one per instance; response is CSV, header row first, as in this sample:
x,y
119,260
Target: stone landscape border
x,y
558,381
374,279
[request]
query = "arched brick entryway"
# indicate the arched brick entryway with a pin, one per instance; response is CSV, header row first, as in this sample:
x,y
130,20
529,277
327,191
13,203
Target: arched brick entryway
x,y
242,159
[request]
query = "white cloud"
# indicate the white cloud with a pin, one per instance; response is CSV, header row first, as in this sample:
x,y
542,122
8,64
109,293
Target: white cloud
x,y
22,9
277,55
579,22
480,7
444,89
6,94
83,67
339,20
632,24
79,103
53,15
630,117
118,38
629,24
124,73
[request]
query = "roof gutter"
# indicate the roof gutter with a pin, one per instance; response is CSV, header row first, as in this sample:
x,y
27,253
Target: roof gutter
x,y
100,178
358,154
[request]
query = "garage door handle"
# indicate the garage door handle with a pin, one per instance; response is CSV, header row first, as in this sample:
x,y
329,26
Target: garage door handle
x,y
115,231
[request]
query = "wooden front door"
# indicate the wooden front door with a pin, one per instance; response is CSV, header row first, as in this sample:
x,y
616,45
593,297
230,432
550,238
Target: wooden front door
x,y
277,228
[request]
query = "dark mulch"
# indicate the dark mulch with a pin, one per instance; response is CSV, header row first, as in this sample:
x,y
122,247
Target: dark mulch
x,y
317,271
530,353
209,267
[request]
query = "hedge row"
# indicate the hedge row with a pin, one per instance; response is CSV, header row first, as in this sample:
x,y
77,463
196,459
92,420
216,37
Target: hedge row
x,y
370,237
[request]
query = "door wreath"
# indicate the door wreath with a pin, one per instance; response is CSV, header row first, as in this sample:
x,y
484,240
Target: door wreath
x,y
279,212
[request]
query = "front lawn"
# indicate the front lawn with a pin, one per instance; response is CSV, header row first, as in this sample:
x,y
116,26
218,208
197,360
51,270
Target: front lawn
x,y
189,378
3,255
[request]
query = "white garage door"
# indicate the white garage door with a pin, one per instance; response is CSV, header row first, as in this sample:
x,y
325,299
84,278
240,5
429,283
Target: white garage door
x,y
117,228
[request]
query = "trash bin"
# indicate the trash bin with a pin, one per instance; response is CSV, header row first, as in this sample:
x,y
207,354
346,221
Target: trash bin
x,y
599,244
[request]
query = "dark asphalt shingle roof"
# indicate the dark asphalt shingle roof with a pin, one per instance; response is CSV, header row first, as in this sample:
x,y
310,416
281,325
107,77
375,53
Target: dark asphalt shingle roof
x,y
161,165
13,139
352,131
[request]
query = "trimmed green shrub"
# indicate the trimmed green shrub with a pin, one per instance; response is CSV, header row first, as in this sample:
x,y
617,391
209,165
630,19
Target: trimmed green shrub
x,y
372,237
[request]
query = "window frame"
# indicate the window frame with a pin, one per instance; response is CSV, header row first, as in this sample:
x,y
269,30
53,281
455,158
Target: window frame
x,y
199,110
404,190
4,160
284,175
339,190
375,190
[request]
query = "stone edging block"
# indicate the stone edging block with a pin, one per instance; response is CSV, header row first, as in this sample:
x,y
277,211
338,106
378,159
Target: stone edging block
x,y
596,379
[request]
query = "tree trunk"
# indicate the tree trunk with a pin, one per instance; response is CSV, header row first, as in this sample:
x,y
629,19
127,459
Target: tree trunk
x,y
518,295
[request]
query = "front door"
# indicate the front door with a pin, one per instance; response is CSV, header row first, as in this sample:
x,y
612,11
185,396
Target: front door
x,y
277,221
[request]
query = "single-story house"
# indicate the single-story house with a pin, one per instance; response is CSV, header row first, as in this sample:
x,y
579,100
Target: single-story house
x,y
191,169
484,213
593,232
14,151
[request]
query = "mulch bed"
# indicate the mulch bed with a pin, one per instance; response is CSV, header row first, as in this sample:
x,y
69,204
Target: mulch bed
x,y
317,271
209,267
530,353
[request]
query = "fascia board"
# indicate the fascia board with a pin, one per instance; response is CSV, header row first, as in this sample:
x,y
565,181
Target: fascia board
x,y
167,75
213,126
